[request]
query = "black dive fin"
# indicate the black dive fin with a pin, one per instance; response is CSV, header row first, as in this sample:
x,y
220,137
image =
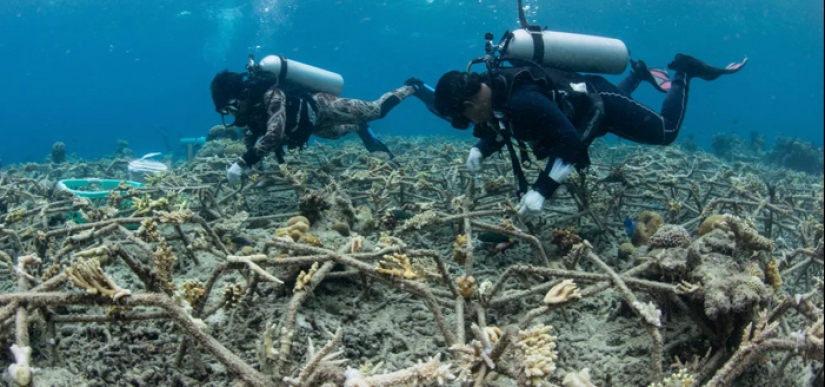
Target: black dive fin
x,y
371,142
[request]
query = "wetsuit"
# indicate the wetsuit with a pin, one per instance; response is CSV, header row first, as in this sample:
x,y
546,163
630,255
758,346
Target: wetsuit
x,y
536,119
289,118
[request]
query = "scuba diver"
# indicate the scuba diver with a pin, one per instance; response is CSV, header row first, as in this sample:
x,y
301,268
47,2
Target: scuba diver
x,y
542,100
281,102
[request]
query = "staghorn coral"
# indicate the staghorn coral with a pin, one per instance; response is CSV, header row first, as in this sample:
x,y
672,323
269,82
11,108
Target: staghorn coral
x,y
162,261
647,224
669,236
193,292
772,275
232,294
460,249
304,278
148,230
396,265
87,275
679,379
466,286
536,351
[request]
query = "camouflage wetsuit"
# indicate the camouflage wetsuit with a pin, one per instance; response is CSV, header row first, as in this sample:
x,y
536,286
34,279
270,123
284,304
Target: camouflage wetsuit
x,y
290,119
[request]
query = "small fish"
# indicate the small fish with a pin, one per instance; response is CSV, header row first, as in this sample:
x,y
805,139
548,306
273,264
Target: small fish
x,y
240,241
402,214
491,237
495,248
629,226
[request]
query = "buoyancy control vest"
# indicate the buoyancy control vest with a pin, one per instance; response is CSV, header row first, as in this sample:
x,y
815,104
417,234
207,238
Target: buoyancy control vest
x,y
575,96
573,93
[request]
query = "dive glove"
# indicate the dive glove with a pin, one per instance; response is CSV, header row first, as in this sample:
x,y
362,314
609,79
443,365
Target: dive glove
x,y
234,173
531,204
414,82
474,161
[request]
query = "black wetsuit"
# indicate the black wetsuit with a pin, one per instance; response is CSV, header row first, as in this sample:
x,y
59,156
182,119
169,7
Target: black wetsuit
x,y
537,120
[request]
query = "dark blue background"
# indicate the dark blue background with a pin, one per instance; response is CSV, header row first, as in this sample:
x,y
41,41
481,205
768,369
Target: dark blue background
x,y
87,75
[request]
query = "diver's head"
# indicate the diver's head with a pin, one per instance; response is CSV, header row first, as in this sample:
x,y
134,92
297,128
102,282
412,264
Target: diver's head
x,y
464,98
228,91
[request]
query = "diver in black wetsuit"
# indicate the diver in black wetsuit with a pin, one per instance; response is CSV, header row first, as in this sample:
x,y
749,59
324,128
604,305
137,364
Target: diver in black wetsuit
x,y
560,113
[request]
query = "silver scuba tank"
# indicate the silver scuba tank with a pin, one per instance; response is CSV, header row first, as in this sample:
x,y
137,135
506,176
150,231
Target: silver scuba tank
x,y
567,51
310,77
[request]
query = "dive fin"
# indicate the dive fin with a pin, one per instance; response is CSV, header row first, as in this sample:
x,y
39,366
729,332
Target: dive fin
x,y
371,142
656,76
695,68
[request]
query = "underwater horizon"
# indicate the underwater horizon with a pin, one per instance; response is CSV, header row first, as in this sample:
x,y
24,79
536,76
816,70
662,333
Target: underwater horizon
x,y
88,75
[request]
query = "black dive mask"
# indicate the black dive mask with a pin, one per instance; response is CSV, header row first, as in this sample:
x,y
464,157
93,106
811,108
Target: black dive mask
x,y
231,109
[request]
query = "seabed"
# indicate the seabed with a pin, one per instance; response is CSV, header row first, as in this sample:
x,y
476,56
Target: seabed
x,y
343,268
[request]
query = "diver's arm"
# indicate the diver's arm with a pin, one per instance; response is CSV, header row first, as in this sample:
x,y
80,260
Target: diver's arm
x,y
274,136
426,94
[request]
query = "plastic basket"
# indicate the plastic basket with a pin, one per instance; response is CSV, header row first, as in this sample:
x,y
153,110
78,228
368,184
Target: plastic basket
x,y
93,188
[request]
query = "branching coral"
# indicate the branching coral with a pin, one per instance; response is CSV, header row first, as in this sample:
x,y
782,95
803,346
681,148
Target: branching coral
x,y
87,275
430,373
460,249
536,350
304,278
396,265
162,261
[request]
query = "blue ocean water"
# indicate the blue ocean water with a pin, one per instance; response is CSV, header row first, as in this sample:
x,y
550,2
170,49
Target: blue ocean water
x,y
89,72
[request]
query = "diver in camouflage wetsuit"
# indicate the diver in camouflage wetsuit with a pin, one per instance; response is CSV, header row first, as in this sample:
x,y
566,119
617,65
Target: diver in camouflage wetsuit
x,y
274,115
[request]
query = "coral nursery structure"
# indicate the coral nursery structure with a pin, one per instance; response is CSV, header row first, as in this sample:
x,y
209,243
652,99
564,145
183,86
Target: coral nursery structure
x,y
341,268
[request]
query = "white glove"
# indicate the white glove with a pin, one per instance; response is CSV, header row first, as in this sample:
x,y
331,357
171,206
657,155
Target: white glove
x,y
474,161
234,174
531,204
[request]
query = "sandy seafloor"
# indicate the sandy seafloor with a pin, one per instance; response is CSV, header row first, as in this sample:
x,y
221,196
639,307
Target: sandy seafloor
x,y
391,325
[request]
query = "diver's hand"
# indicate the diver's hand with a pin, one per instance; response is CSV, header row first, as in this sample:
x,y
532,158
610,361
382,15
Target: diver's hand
x,y
234,173
474,160
531,205
414,82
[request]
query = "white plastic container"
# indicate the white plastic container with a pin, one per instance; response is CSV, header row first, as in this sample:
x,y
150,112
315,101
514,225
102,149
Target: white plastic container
x,y
142,167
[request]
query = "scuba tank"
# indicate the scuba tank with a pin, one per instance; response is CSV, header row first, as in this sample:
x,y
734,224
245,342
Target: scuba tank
x,y
300,74
566,51
551,49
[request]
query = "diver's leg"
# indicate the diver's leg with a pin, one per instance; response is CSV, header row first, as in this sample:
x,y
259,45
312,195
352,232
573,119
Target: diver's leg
x,y
371,142
639,72
634,121
340,111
